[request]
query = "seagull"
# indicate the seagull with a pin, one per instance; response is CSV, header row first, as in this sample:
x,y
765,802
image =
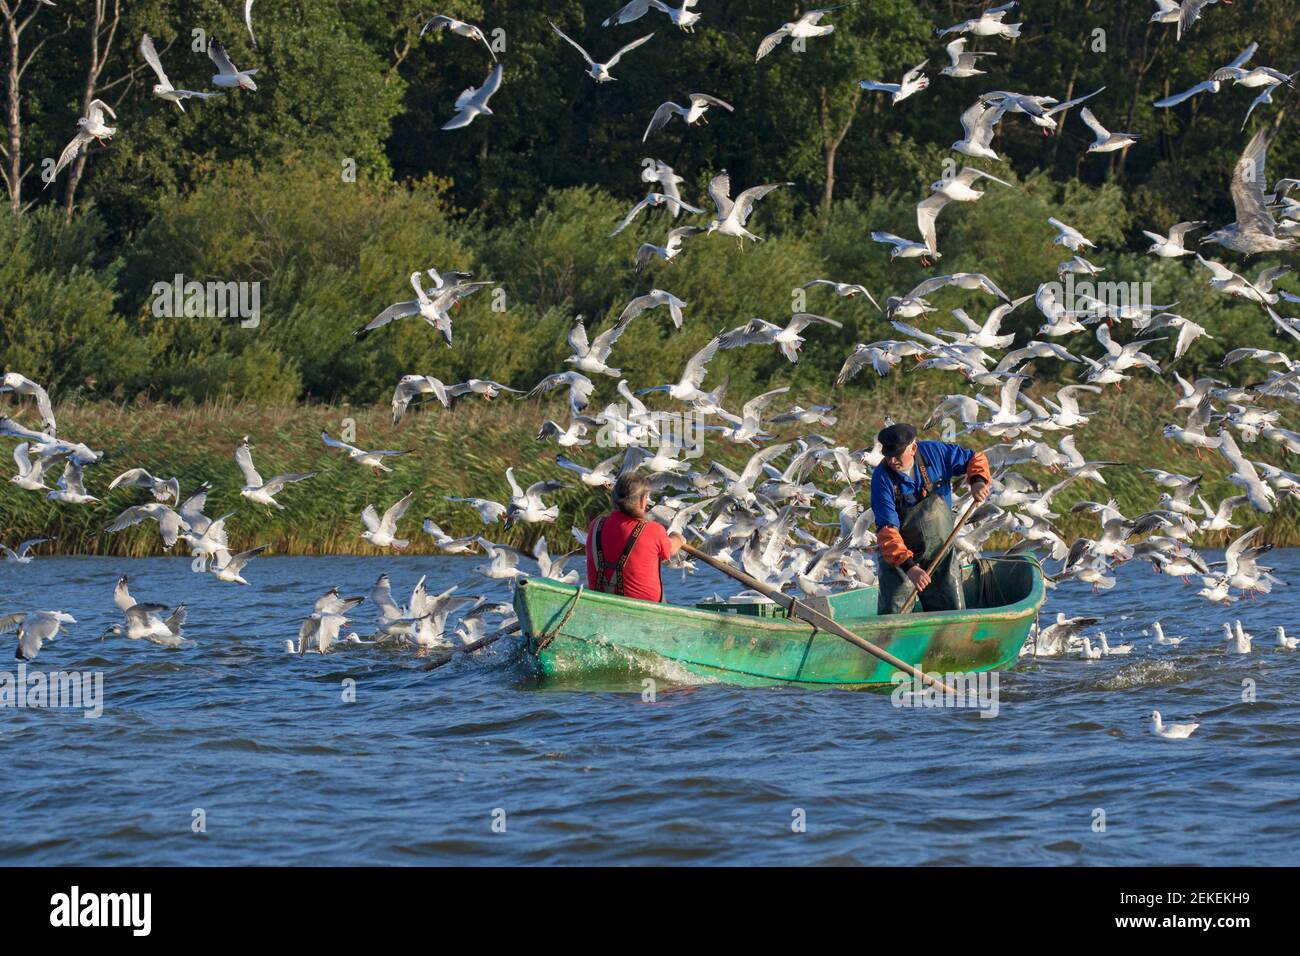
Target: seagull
x,y
527,505
683,17
1039,109
1287,643
657,171
91,126
700,103
447,292
370,459
674,203
652,300
1070,237
843,289
988,23
787,340
1158,726
1260,494
502,561
445,542
146,622
162,489
589,357
34,629
1238,640
1161,639
1106,141
977,124
473,102
1171,246
489,512
1054,638
321,629
22,555
808,25
72,489
439,22
381,532
1107,650
170,524
913,82
963,64
1255,230
21,385
1189,12
732,215
163,89
1194,434
671,248
687,387
1167,11
229,567
228,76
907,248
601,476
255,489
600,71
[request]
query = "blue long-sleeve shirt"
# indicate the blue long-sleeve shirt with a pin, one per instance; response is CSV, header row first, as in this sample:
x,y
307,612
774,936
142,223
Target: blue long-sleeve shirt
x,y
943,462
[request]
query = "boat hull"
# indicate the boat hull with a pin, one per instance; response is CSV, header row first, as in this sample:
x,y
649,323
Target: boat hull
x,y
574,634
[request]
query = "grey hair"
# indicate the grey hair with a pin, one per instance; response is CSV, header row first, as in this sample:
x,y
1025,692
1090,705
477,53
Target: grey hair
x,y
628,490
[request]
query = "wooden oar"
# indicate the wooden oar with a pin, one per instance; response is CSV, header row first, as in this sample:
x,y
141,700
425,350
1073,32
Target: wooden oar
x,y
815,618
471,648
916,592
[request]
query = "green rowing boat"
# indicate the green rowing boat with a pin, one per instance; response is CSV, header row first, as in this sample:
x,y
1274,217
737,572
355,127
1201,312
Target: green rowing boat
x,y
576,632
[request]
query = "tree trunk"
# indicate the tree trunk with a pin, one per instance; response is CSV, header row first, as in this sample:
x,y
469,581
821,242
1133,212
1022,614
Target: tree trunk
x,y
13,158
830,146
98,58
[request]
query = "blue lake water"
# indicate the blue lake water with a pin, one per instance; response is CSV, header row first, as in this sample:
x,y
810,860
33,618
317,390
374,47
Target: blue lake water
x,y
262,748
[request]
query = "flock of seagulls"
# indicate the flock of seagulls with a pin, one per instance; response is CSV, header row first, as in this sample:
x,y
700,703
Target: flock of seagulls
x,y
760,518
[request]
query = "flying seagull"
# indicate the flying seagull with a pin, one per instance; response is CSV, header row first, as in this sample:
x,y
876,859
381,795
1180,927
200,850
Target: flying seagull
x,y
474,102
913,82
1106,141
370,459
163,89
382,532
600,71
228,76
808,25
732,215
1255,230
700,103
963,64
683,17
255,489
987,24
459,27
91,126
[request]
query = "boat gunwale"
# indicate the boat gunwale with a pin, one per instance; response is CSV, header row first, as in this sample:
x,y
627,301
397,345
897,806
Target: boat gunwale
x,y
1021,609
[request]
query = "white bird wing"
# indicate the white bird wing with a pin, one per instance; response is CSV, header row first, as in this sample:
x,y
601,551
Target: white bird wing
x,y
244,458
927,211
1175,99
745,201
720,192
1086,115
151,57
335,443
1248,186
1243,57
772,41
660,118
219,56
609,64
585,55
694,371
248,20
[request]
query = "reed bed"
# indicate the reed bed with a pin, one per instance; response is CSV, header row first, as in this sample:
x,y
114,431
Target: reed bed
x,y
465,452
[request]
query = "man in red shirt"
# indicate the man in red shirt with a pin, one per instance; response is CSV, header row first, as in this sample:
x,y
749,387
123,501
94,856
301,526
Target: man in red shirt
x,y
625,548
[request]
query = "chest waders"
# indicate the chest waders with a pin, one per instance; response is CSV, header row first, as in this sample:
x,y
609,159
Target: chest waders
x,y
924,527
615,585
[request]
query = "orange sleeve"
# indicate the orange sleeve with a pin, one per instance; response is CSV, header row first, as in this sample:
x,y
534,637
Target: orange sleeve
x,y
978,468
892,548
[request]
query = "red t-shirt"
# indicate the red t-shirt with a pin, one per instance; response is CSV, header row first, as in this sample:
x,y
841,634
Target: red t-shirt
x,y
641,573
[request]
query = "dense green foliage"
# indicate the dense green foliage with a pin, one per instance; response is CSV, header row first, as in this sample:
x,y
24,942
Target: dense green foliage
x,y
254,186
